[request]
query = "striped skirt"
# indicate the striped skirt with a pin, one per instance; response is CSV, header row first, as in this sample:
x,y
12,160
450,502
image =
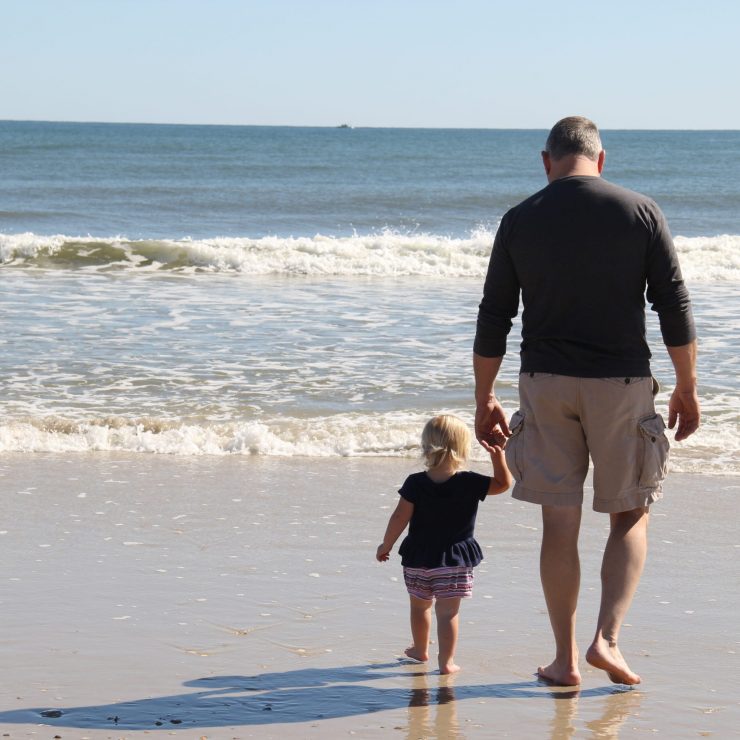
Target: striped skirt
x,y
439,583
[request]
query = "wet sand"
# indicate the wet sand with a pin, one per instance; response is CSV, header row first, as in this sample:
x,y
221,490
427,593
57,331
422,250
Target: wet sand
x,y
239,598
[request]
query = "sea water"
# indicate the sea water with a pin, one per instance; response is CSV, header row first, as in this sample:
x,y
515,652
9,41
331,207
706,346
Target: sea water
x,y
304,291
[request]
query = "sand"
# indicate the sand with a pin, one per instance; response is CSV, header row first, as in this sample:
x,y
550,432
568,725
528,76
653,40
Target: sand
x,y
156,596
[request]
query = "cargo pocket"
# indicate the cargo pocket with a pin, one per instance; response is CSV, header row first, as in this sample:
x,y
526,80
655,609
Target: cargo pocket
x,y
513,449
655,448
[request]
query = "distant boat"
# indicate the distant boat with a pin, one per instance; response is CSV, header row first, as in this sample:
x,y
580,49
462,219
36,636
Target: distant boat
x,y
344,125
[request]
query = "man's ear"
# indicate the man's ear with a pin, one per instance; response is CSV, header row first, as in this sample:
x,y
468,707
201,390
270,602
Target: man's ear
x,y
546,162
600,161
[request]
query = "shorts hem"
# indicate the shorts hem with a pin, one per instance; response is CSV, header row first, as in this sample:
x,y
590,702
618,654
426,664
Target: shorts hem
x,y
454,596
418,595
547,498
635,499
437,597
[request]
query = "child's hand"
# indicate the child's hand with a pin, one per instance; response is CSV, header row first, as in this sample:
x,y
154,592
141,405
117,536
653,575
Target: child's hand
x,y
499,438
494,449
496,441
382,554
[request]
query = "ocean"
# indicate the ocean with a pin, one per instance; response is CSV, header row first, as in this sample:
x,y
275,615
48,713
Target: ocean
x,y
280,291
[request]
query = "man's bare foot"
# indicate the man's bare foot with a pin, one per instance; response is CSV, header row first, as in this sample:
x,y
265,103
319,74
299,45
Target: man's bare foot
x,y
606,656
413,654
560,675
448,668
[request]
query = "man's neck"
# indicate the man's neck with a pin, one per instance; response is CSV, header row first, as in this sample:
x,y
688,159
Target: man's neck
x,y
573,166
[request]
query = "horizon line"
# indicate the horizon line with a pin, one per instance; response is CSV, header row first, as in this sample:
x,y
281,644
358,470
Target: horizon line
x,y
343,125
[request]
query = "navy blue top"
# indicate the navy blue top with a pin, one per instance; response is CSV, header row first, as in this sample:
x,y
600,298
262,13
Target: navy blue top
x,y
441,527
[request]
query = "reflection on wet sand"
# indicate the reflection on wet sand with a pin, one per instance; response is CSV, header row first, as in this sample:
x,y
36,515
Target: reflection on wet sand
x,y
563,723
618,704
440,723
432,703
433,709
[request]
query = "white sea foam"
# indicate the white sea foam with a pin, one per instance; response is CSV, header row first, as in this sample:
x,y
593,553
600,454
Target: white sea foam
x,y
714,449
386,253
345,435
709,259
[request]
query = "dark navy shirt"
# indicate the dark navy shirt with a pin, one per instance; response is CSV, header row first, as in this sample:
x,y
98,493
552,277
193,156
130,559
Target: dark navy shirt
x,y
583,253
443,523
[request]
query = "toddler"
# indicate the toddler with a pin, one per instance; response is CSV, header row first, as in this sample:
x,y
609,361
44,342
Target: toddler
x,y
439,553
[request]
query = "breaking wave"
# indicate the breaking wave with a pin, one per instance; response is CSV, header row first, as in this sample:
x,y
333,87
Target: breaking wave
x,y
714,449
386,253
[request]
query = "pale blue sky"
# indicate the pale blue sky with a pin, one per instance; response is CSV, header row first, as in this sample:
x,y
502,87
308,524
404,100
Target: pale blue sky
x,y
430,63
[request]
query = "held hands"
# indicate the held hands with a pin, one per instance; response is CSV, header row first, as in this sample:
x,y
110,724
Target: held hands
x,y
684,407
490,420
495,443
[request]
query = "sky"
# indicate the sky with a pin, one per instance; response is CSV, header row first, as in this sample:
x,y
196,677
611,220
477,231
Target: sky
x,y
413,63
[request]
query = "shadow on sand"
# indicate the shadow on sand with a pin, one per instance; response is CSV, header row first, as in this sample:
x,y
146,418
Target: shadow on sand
x,y
307,695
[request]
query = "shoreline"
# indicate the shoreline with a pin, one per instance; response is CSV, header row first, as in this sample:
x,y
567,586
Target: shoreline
x,y
239,597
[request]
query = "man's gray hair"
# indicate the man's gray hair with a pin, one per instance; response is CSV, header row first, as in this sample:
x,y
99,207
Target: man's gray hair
x,y
574,135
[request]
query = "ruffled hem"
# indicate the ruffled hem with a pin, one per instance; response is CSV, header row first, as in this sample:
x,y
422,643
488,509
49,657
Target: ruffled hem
x,y
464,554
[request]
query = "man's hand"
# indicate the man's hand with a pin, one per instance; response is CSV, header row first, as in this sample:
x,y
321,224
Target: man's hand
x,y
684,403
684,407
490,418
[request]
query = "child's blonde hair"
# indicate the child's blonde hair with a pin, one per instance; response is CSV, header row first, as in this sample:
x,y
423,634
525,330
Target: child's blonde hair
x,y
445,438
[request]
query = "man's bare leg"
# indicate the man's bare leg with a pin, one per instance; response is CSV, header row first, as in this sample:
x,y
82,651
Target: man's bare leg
x,y
560,571
624,559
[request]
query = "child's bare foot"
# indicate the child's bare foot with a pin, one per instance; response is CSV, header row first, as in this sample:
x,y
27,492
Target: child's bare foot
x,y
412,654
560,675
606,655
448,668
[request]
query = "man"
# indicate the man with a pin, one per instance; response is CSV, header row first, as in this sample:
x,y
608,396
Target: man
x,y
582,252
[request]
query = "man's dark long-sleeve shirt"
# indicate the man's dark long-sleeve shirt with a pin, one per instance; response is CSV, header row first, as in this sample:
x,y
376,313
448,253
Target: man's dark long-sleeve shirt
x,y
583,251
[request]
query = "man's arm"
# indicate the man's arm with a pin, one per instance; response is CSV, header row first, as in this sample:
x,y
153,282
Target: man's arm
x,y
666,290
489,413
670,299
684,404
499,306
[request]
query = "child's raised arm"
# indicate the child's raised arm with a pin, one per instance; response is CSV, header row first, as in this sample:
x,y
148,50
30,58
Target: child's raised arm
x,y
396,524
501,479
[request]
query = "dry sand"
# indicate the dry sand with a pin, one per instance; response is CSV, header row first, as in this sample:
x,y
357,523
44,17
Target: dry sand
x,y
239,597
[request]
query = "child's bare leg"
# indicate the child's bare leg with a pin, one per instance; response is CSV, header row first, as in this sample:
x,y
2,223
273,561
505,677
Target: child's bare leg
x,y
447,611
421,625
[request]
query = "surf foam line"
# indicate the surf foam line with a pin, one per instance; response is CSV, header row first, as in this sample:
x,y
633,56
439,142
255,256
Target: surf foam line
x,y
343,435
713,450
387,253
